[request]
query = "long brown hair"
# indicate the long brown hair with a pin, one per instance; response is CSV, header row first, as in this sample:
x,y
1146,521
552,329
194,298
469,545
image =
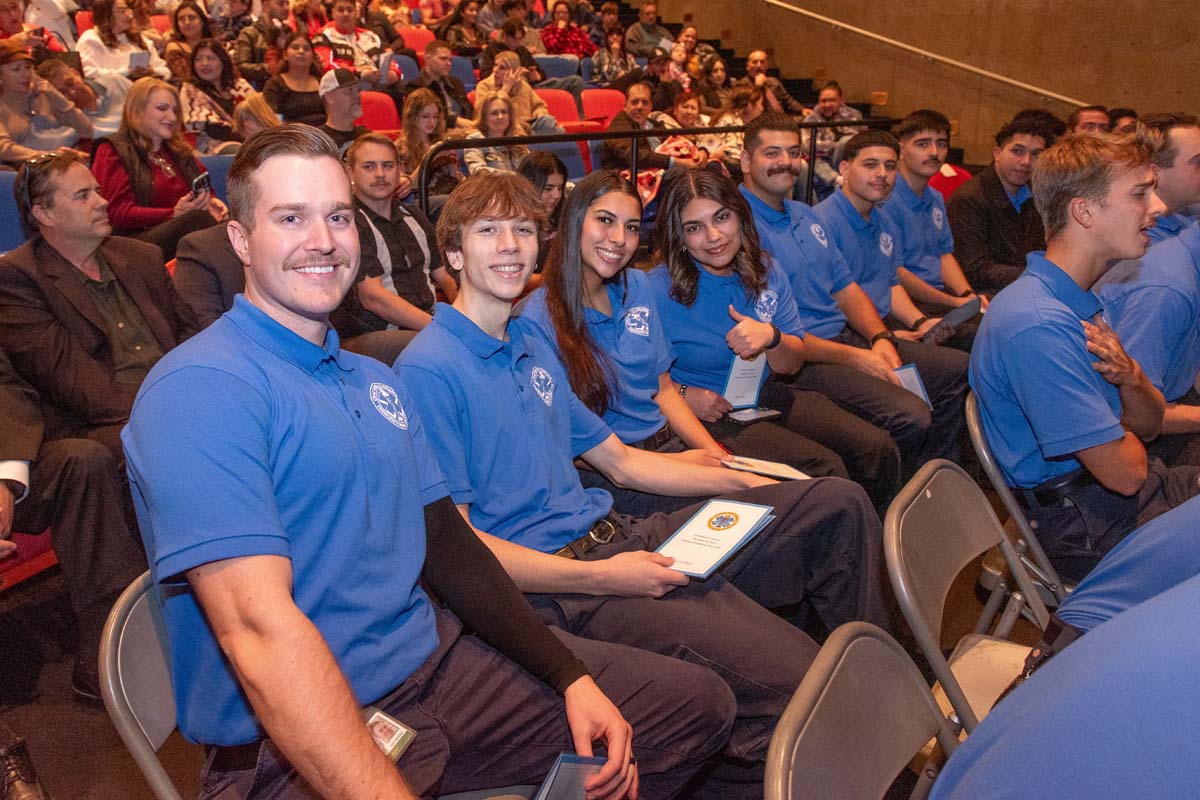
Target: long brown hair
x,y
670,240
414,104
588,368
103,12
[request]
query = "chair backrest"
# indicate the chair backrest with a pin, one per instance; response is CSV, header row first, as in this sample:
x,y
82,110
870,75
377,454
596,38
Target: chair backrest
x,y
161,22
11,234
408,68
417,38
990,468
558,66
587,69
570,155
856,719
218,167
560,103
135,680
83,21
379,112
603,103
461,68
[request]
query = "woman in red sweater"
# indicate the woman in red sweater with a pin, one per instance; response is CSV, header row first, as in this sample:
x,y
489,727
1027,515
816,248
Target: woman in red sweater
x,y
146,171
562,37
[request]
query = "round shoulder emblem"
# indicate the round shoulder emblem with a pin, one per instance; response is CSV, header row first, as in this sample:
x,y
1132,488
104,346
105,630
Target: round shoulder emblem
x,y
819,234
543,384
767,305
885,243
939,218
637,320
387,403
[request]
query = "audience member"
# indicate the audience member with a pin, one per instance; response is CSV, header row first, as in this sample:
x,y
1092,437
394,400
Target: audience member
x,y
73,486
615,153
685,113
461,32
208,273
495,119
677,70
548,175
1177,168
992,219
424,126
112,46
1065,408
508,80
347,611
395,293
776,95
531,37
34,116
259,50
28,33
189,24
341,93
563,36
208,100
308,17
611,61
469,372
610,19
929,272
234,17
1052,126
654,75
713,87
102,99
1122,120
295,93
867,242
745,105
831,107
437,78
146,171
698,54
143,10
343,44
646,35
510,42
492,15
253,115
1089,119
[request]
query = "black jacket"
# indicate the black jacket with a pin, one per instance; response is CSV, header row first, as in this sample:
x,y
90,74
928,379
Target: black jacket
x,y
990,237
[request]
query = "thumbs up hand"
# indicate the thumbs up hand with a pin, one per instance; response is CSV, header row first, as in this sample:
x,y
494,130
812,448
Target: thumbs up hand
x,y
748,337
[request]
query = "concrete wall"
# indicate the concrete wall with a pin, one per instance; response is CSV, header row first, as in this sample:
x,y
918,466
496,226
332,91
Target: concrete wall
x,y
1103,51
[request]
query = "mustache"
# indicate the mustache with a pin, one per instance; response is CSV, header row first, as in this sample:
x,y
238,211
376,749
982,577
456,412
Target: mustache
x,y
794,172
337,258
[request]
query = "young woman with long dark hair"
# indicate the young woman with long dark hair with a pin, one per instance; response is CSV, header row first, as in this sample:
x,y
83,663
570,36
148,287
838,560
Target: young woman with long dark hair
x,y
721,297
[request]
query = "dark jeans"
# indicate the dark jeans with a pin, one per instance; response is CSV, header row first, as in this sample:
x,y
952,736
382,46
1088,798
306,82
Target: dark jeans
x,y
920,433
167,234
1179,448
823,551
483,722
1078,531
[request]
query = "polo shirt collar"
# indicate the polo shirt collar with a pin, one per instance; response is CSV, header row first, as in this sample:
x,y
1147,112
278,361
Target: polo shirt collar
x,y
1062,286
851,213
470,334
286,344
398,211
616,296
1189,237
1022,197
904,192
763,211
1172,224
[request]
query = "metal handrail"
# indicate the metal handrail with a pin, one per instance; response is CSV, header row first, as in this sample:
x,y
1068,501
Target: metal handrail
x,y
465,143
1029,87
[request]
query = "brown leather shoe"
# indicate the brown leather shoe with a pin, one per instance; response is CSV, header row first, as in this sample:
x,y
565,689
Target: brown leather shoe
x,y
18,780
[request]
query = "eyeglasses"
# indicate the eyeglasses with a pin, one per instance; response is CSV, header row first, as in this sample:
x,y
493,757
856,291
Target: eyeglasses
x,y
37,163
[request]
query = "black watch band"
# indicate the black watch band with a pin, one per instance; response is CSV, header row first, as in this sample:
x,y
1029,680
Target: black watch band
x,y
967,292
918,323
776,339
883,334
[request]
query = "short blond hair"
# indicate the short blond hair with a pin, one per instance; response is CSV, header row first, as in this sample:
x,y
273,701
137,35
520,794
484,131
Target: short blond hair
x,y
1085,165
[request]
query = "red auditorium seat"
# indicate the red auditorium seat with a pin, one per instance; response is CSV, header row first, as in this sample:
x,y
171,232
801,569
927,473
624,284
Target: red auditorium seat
x,y
35,553
379,112
948,184
562,107
83,21
602,105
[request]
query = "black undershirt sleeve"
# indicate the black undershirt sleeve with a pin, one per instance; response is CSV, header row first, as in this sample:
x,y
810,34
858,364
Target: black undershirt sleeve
x,y
468,579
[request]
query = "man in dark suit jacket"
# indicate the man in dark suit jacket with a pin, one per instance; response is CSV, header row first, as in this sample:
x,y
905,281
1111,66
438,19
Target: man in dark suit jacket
x,y
614,153
83,315
208,273
73,487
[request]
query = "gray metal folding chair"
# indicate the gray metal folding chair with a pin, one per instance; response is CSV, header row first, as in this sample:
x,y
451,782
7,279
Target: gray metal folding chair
x,y
937,525
135,682
856,720
1028,545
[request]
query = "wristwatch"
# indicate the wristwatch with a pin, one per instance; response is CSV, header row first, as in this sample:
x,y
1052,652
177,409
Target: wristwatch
x,y
776,338
883,334
918,323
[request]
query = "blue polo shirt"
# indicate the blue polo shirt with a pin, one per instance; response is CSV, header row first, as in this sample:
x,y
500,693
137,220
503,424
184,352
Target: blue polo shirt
x,y
1040,399
1023,195
870,247
1168,225
635,348
697,332
924,230
248,440
1122,695
505,425
1154,306
796,240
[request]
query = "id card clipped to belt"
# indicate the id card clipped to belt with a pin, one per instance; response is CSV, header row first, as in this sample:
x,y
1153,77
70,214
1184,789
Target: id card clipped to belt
x,y
392,735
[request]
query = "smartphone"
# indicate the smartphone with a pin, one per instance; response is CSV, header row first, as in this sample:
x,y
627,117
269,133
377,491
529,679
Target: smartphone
x,y
201,184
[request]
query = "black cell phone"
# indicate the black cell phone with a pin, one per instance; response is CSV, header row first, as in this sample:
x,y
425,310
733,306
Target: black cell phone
x,y
201,184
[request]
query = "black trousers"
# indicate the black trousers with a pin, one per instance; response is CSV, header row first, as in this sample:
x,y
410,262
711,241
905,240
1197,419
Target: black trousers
x,y
167,234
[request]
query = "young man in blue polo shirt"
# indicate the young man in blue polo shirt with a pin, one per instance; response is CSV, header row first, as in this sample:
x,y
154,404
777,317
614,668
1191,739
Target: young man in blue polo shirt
x,y
290,501
868,243
506,426
1066,409
1177,167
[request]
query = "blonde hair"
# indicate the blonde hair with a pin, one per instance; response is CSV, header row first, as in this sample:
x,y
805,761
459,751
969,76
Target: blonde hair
x,y
254,108
135,105
509,59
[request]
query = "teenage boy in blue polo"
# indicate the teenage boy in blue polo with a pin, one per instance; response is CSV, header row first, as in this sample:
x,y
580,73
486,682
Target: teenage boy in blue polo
x,y
930,273
1177,167
1066,409
869,245
290,502
506,426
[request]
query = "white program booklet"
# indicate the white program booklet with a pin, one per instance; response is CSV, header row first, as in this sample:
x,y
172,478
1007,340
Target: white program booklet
x,y
139,59
744,381
713,534
772,469
567,777
911,379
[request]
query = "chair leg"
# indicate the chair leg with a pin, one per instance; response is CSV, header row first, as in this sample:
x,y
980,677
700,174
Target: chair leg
x,y
992,606
1009,618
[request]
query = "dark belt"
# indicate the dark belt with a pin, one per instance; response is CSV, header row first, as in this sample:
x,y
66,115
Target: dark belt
x,y
655,441
601,533
1053,492
236,758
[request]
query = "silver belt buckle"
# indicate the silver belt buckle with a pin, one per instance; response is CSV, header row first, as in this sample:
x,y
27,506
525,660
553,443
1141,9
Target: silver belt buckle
x,y
607,527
